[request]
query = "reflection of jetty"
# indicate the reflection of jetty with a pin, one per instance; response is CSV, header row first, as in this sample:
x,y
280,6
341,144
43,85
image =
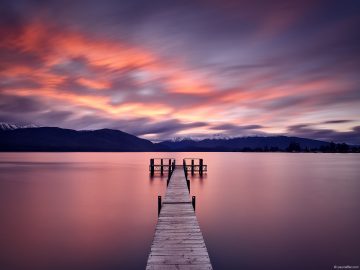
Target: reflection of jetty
x,y
163,165
178,242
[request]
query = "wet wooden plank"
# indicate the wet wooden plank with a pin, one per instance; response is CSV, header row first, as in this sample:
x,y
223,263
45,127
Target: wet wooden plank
x,y
179,267
178,259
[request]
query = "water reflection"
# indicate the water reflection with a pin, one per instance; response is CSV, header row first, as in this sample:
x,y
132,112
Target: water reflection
x,y
280,211
256,211
76,211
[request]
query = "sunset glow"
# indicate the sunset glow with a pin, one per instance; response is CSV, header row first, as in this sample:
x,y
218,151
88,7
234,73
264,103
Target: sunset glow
x,y
174,69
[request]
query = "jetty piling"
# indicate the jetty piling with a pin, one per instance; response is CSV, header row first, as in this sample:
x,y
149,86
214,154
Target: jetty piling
x,y
192,167
152,167
162,167
159,204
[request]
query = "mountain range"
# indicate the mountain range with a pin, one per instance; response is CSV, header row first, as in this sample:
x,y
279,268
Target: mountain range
x,y
271,143
33,138
58,139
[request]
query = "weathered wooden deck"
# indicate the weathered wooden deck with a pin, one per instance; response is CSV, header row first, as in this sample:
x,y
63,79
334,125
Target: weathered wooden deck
x,y
178,242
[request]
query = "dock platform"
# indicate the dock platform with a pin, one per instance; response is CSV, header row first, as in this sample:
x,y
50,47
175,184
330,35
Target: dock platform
x,y
178,242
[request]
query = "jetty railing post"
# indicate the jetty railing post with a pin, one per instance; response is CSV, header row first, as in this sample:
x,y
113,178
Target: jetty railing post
x,y
188,184
201,166
185,168
159,205
162,167
193,201
192,167
170,166
169,176
152,169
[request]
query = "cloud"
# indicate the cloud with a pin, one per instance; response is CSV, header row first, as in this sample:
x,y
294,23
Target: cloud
x,y
307,131
12,104
73,66
231,126
13,58
238,130
337,121
18,82
234,67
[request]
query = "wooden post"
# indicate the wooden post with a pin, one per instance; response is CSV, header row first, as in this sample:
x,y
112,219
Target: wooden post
x,y
185,168
170,167
162,167
201,166
192,167
152,169
159,205
193,201
188,184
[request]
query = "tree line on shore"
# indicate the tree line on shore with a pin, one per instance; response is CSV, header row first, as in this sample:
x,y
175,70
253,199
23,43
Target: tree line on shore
x,y
296,147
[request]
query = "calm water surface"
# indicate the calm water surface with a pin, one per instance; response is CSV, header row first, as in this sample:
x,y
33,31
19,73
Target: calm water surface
x,y
256,210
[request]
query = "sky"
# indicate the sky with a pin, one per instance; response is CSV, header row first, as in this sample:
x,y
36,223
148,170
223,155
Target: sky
x,y
165,69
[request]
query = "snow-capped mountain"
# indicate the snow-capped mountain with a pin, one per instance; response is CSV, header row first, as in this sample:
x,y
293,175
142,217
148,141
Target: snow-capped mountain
x,y
8,126
196,139
220,137
180,139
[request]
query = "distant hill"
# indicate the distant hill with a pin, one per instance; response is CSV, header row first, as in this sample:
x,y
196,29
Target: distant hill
x,y
58,139
272,143
30,138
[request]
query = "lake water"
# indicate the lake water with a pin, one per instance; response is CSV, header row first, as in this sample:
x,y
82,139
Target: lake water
x,y
256,210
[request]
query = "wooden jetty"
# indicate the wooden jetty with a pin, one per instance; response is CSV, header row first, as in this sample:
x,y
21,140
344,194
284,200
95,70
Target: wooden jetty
x,y
178,242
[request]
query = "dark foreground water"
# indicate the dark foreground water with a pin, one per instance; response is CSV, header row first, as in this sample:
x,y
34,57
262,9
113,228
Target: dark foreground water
x,y
256,210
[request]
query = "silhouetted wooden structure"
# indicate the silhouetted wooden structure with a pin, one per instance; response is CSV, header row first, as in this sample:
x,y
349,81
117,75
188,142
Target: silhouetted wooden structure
x,y
178,242
162,165
194,165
